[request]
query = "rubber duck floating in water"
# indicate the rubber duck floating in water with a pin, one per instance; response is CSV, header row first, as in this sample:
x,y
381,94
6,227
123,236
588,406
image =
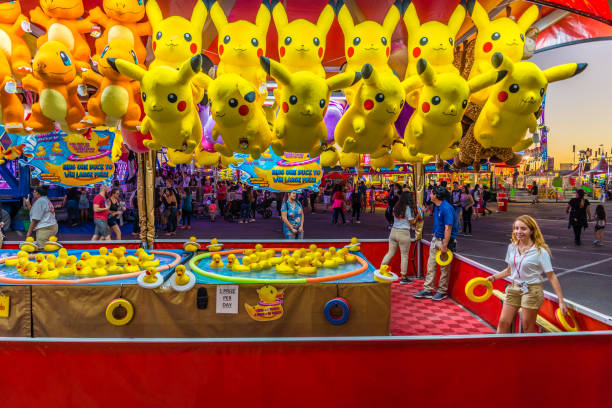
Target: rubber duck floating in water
x,y
191,245
28,245
305,267
354,245
82,269
132,265
237,267
182,280
270,305
287,266
216,262
384,275
214,245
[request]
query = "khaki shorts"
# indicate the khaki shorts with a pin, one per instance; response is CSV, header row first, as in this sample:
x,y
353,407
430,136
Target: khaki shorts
x,y
530,300
43,234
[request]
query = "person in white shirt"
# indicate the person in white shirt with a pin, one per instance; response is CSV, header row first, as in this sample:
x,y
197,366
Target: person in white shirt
x,y
42,218
403,221
528,260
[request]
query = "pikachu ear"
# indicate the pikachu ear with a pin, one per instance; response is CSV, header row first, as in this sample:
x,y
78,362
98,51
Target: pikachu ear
x,y
247,91
369,75
326,19
61,33
565,71
392,18
280,16
499,62
341,81
411,20
202,80
412,83
345,20
529,17
275,70
479,16
426,72
217,16
127,68
190,68
456,20
482,81
154,13
198,16
263,18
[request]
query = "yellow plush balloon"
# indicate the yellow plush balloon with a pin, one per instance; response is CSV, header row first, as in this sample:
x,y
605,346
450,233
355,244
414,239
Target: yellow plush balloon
x,y
435,126
502,35
241,44
171,115
368,124
510,110
367,42
239,118
299,126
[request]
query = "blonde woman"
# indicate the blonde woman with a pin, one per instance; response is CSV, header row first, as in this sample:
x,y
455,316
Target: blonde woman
x,y
528,259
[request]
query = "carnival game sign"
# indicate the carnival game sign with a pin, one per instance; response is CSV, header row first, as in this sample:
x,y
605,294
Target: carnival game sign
x,y
291,172
71,160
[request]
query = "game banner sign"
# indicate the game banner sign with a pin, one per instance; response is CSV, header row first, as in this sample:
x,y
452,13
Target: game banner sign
x,y
291,172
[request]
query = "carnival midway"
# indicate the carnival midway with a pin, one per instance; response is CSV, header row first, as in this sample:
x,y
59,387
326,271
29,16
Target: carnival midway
x,y
229,202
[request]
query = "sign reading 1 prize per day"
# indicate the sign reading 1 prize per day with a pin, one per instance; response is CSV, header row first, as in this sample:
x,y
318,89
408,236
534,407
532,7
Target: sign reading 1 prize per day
x,y
227,299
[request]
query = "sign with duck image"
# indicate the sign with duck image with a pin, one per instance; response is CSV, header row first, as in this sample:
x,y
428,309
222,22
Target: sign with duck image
x,y
270,305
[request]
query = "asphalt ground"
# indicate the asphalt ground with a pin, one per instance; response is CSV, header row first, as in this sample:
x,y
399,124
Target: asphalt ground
x,y
585,272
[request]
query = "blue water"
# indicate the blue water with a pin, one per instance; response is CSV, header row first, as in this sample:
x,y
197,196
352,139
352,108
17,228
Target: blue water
x,y
12,272
367,276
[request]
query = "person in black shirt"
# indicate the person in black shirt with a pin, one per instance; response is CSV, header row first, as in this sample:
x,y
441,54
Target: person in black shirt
x,y
71,202
579,214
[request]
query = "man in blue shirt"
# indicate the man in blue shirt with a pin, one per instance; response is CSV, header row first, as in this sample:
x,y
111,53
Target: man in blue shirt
x,y
444,235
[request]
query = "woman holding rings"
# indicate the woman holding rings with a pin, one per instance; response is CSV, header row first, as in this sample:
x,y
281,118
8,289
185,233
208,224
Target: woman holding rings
x,y
528,259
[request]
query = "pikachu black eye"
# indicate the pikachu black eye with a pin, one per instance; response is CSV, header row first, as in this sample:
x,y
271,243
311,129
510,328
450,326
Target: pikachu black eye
x,y
293,99
522,38
134,57
254,42
495,36
383,40
316,41
514,88
187,37
450,40
226,39
158,35
65,58
424,41
233,102
104,51
356,41
379,97
322,103
288,40
542,92
172,98
144,96
464,104
435,100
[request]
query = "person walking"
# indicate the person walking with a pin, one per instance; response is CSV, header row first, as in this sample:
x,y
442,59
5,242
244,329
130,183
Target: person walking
x,y
476,196
404,219
42,218
84,206
485,197
292,216
534,194
356,199
456,202
186,208
467,207
222,197
395,191
71,203
114,212
372,197
528,259
170,202
313,200
100,215
444,238
338,204
600,224
245,206
579,212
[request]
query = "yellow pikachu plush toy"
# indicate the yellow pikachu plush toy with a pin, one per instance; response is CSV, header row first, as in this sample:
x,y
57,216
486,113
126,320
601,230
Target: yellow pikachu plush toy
x,y
367,42
299,126
502,35
239,118
14,24
115,99
171,115
436,125
368,124
241,44
510,110
55,81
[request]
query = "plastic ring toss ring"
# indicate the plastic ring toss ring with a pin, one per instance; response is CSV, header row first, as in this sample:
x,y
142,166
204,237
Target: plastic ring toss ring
x,y
344,307
121,307
183,288
158,281
570,324
379,277
449,258
473,284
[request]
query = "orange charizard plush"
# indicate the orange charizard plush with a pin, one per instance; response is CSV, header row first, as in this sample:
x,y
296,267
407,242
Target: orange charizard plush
x,y
11,107
15,24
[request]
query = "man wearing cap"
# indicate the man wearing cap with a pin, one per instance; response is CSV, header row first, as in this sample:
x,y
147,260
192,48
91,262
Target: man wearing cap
x,y
444,238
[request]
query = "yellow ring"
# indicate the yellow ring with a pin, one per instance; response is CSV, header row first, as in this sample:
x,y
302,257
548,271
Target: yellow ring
x,y
114,304
449,259
564,323
473,284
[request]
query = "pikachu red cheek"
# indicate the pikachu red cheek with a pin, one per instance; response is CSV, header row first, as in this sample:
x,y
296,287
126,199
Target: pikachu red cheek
x,y
502,96
282,51
243,110
181,106
221,49
259,52
154,45
388,51
285,107
416,52
193,48
487,47
368,104
320,52
350,52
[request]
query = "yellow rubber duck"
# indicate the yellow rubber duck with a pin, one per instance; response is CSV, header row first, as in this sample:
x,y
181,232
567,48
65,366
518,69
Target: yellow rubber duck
x,y
62,253
214,245
264,260
28,245
71,261
276,260
23,264
44,272
332,251
41,151
149,261
56,148
191,245
29,271
312,248
38,258
132,265
237,267
150,275
354,245
66,270
305,267
181,277
11,262
85,256
111,265
50,261
348,258
287,266
384,270
317,260
119,255
329,260
52,245
258,248
254,262
60,262
231,258
103,251
248,252
100,269
216,262
82,269
271,253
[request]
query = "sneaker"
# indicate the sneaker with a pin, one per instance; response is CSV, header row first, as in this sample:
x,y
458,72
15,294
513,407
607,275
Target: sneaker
x,y
467,235
422,294
596,242
358,222
600,244
405,280
439,296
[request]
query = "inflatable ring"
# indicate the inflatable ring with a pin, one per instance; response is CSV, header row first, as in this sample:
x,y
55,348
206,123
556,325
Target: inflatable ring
x,y
343,305
114,305
220,246
379,277
449,258
473,284
187,286
146,285
565,323
352,245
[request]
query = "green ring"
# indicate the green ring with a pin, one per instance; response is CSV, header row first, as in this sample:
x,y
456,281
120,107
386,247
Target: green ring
x,y
234,279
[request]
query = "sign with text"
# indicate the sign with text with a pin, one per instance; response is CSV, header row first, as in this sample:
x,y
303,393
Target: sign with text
x,y
227,299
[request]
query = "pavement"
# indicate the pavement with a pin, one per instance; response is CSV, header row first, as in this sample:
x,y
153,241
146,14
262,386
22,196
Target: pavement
x,y
585,271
